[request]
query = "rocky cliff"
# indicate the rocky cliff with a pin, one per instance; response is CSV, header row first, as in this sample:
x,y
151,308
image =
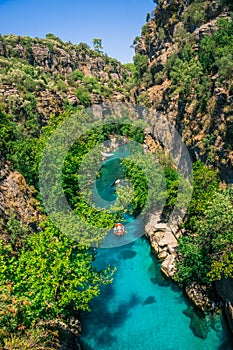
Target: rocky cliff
x,y
58,75
44,77
201,108
16,200
199,102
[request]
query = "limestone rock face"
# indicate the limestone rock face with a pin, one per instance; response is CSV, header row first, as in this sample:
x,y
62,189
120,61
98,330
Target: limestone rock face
x,y
58,57
16,199
162,37
68,333
49,65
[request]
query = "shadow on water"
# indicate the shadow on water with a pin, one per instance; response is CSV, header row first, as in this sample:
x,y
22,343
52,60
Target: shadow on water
x,y
225,345
201,324
156,276
104,338
108,320
149,300
227,342
85,345
128,254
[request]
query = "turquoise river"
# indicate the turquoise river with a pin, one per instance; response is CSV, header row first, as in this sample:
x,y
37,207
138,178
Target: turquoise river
x,y
141,309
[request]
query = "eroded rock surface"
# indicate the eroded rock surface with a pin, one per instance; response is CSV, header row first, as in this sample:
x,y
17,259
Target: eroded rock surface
x,y
16,199
163,240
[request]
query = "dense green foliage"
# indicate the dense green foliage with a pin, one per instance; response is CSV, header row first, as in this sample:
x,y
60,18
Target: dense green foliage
x,y
205,184
195,15
190,72
207,255
49,277
216,51
140,63
195,259
147,181
134,172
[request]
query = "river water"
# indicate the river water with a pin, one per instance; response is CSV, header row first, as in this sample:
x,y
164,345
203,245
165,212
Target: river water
x,y
141,309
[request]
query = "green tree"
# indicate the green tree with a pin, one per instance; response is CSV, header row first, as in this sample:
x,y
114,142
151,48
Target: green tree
x,y
205,185
51,277
195,14
207,255
97,44
217,231
216,51
140,62
52,37
147,17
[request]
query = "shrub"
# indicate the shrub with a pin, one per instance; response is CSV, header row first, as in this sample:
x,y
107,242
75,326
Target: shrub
x,y
216,51
205,185
62,86
195,14
77,75
140,62
83,96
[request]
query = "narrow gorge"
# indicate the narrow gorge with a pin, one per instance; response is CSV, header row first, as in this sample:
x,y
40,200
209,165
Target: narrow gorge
x,y
182,72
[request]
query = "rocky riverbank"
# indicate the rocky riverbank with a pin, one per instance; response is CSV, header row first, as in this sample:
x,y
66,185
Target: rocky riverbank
x,y
164,242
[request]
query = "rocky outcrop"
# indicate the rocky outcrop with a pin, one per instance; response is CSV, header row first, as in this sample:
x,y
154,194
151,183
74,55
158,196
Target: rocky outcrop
x,y
69,333
16,199
57,74
163,240
55,56
202,296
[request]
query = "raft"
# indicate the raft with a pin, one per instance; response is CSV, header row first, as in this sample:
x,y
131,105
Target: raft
x,y
119,229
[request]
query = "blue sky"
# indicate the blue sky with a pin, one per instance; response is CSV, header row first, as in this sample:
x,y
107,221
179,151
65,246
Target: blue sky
x,y
115,22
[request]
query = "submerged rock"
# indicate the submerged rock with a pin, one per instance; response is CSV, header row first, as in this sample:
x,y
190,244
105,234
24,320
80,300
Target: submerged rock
x,y
149,300
199,326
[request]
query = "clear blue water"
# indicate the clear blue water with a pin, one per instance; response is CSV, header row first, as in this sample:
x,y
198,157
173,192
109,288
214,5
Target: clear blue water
x,y
141,309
